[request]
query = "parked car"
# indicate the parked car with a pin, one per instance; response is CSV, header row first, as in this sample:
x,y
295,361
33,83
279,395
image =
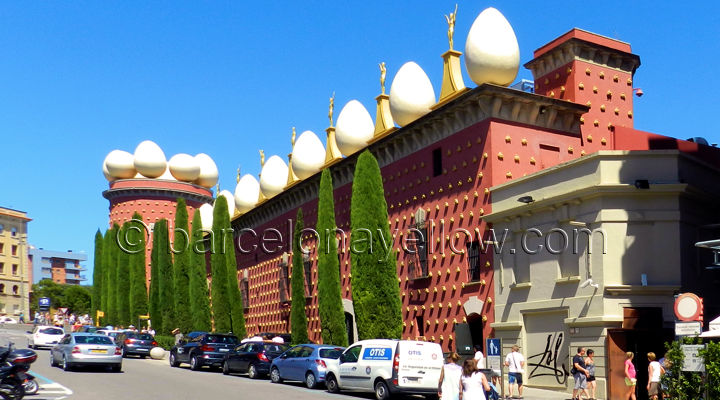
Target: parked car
x,y
253,358
135,343
7,320
387,367
76,349
45,336
112,334
305,362
202,349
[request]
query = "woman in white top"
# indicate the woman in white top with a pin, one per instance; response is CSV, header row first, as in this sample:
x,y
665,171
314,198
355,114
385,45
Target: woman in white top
x,y
473,383
450,378
655,372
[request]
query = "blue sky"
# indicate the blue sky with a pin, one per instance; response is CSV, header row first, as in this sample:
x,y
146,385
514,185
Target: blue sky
x,y
79,79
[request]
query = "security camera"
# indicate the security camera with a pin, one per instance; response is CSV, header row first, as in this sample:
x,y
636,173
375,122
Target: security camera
x,y
589,282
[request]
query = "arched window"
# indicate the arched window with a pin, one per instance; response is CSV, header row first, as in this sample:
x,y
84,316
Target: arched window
x,y
15,289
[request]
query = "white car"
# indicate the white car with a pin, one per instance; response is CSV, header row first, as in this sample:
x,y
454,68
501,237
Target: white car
x,y
387,367
7,320
111,333
45,336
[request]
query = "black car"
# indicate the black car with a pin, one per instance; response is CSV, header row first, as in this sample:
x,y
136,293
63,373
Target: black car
x,y
202,349
253,357
135,343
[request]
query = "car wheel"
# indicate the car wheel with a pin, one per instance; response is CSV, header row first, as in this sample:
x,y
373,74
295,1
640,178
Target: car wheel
x,y
252,372
52,360
194,363
173,362
65,365
143,356
381,390
275,375
226,368
332,384
310,381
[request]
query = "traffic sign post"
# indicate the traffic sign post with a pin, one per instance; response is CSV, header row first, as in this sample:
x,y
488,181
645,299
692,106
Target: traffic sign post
x,y
494,360
692,328
694,362
44,304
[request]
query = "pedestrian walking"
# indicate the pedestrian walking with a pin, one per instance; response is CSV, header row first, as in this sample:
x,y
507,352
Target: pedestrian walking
x,y
516,366
473,383
590,366
178,335
630,376
655,372
479,356
449,387
580,374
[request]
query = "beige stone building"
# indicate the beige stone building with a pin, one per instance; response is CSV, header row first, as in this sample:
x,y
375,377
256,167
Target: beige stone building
x,y
556,290
14,272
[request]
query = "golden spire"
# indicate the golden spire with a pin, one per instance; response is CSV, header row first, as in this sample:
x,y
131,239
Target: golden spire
x,y
217,189
383,71
451,25
292,139
292,178
452,83
332,107
237,179
262,158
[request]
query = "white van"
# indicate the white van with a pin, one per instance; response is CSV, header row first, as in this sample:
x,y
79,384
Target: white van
x,y
387,367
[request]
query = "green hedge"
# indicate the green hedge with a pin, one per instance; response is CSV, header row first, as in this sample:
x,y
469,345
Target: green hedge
x,y
166,342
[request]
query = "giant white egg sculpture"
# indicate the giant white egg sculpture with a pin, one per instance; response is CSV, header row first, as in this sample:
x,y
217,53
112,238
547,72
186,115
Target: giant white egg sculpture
x,y
308,155
354,128
206,216
208,171
157,353
106,173
273,176
492,54
230,198
184,167
247,193
119,164
149,159
411,94
167,175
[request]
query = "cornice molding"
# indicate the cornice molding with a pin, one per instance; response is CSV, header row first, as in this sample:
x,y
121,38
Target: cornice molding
x,y
580,50
112,194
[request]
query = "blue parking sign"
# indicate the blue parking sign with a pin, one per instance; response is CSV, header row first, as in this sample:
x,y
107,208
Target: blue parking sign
x,y
493,347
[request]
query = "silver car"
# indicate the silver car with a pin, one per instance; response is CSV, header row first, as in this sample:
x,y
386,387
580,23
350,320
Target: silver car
x,y
76,349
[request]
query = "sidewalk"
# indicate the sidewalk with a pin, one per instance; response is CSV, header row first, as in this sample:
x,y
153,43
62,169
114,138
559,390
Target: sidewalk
x,y
542,394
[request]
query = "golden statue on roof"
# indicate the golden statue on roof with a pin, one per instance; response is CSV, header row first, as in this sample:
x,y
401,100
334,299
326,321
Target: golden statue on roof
x,y
292,139
332,107
237,179
383,71
262,158
217,189
451,25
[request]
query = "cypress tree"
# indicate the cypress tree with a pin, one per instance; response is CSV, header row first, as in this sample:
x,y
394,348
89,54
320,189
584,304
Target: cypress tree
x,y
166,285
97,275
332,315
218,268
154,306
298,318
138,280
199,295
181,246
376,295
123,278
237,318
105,298
113,275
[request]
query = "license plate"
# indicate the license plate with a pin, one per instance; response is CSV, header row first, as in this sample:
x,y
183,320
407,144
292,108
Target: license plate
x,y
222,350
140,349
98,351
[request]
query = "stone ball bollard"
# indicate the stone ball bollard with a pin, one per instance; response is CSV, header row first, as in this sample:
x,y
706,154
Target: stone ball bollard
x,y
157,353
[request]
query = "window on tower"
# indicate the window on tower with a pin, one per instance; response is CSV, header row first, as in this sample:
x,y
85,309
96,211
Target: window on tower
x,y
437,162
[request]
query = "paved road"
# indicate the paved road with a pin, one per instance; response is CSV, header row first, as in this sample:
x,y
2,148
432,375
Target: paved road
x,y
153,379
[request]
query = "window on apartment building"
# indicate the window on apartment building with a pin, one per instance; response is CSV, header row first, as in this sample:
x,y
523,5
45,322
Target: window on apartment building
x,y
419,321
13,231
2,228
13,250
417,265
2,288
15,289
2,268
473,271
2,248
15,269
437,161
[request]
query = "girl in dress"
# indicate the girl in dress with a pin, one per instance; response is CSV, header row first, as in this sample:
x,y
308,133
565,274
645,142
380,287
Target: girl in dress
x,y
473,383
450,378
630,376
590,366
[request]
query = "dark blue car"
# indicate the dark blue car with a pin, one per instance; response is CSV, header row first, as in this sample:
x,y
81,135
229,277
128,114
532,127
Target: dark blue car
x,y
304,362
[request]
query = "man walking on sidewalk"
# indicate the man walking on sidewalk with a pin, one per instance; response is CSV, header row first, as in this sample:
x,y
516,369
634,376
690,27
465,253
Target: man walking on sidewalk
x,y
516,364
